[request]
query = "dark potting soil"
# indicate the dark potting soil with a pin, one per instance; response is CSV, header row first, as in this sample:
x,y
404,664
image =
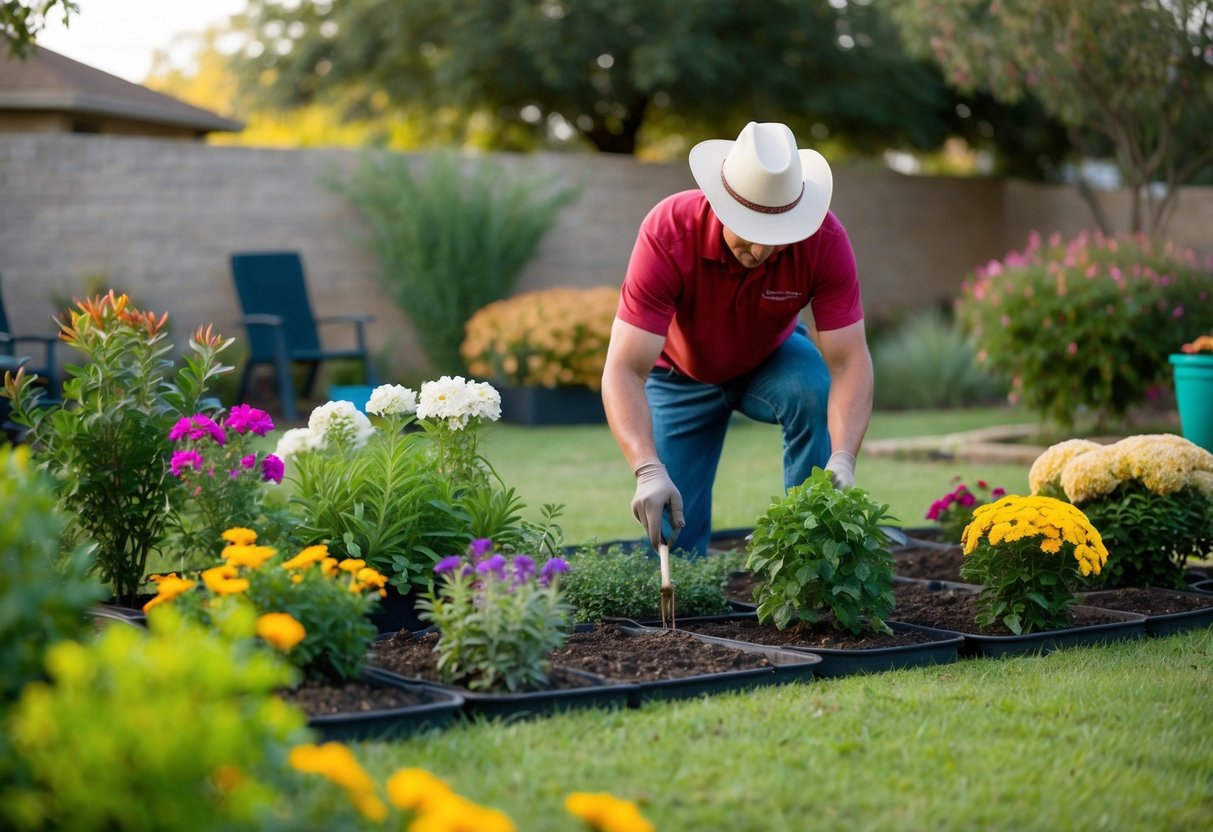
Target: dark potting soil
x,y
320,698
937,564
956,610
803,634
1150,600
414,656
740,586
651,656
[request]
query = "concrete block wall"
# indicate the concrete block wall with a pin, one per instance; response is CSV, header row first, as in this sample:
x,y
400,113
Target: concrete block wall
x,y
159,219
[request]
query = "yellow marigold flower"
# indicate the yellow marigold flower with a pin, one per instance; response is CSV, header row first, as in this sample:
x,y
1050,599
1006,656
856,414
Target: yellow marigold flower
x,y
369,806
310,555
1047,468
224,580
415,789
452,813
351,564
333,761
1055,522
281,630
168,587
1050,545
239,536
328,567
371,578
250,556
606,813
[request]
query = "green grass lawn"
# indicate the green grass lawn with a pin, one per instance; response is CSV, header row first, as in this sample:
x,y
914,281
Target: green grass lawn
x,y
582,468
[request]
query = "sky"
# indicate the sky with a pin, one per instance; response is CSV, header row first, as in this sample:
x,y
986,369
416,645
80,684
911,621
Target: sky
x,y
121,36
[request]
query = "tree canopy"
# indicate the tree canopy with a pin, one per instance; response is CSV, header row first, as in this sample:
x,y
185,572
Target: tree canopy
x,y
608,70
1132,75
20,22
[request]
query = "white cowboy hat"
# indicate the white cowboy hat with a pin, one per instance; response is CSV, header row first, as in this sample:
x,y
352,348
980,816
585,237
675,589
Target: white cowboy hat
x,y
761,187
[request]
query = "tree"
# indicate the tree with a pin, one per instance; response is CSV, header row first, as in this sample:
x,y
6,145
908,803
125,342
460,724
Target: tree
x,y
1135,76
607,70
20,22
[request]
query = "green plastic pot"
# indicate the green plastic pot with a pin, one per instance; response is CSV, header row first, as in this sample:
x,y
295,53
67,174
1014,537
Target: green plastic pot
x,y
1194,395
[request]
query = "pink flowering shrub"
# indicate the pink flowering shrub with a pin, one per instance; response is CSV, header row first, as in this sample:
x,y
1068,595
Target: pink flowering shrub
x,y
954,510
221,477
1086,323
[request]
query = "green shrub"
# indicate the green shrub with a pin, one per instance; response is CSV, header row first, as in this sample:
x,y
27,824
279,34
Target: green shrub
x,y
821,548
929,362
627,584
1088,323
44,591
451,240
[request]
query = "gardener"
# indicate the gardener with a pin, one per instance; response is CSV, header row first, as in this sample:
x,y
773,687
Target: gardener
x,y
709,323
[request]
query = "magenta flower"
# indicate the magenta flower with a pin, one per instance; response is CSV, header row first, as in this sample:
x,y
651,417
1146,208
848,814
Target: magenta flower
x,y
185,459
248,461
272,469
197,426
244,419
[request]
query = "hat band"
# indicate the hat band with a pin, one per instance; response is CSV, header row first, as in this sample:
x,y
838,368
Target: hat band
x,y
754,206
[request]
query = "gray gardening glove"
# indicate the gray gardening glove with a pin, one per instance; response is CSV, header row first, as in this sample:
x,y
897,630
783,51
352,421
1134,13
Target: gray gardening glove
x,y
842,469
654,491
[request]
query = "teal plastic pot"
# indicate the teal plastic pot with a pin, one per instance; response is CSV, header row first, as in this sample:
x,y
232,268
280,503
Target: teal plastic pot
x,y
1194,395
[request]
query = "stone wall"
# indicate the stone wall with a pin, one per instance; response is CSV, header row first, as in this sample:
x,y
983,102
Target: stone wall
x,y
159,219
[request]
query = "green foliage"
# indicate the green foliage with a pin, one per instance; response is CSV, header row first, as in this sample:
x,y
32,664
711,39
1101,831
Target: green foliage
x,y
1132,74
819,548
498,620
929,362
44,590
108,443
20,22
1086,323
627,584
1150,536
452,239
141,731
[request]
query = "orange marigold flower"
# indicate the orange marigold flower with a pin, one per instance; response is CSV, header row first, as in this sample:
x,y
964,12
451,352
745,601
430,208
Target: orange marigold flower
x,y
281,630
240,536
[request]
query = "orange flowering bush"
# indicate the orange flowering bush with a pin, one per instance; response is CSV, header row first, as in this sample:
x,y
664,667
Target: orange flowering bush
x,y
549,338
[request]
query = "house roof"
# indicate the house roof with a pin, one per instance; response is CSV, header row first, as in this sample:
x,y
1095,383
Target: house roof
x,y
48,81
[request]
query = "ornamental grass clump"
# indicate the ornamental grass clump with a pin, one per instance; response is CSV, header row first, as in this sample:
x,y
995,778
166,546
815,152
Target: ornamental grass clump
x,y
1029,554
954,510
819,549
1150,496
548,338
311,607
499,618
1088,323
108,445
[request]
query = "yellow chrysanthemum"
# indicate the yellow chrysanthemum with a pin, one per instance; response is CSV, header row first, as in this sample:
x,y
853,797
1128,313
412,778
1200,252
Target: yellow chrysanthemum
x,y
168,587
1091,475
224,580
606,813
310,555
328,567
415,789
1055,523
336,763
351,564
239,536
281,630
252,557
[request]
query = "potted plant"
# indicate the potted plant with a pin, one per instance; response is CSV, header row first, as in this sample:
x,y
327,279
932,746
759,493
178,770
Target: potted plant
x,y
1192,368
546,349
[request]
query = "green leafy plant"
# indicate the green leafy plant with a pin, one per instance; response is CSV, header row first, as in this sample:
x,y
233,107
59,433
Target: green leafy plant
x,y
108,444
312,607
1087,323
190,714
451,240
1150,496
45,591
498,619
1029,554
819,549
928,361
615,582
954,510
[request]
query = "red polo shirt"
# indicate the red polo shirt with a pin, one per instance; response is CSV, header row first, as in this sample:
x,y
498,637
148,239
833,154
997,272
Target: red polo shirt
x,y
720,319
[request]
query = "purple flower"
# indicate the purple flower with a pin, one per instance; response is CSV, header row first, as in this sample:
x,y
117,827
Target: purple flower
x,y
185,459
244,418
551,569
447,564
272,469
480,546
197,426
494,566
248,461
524,569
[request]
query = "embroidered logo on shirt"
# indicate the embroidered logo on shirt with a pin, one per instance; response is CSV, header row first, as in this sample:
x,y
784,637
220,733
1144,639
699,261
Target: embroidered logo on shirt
x,y
780,294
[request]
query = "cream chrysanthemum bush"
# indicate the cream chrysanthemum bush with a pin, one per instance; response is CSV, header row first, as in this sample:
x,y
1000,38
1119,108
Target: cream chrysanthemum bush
x,y
549,338
1150,496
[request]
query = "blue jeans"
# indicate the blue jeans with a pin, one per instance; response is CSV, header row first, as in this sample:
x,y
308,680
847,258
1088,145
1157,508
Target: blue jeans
x,y
690,420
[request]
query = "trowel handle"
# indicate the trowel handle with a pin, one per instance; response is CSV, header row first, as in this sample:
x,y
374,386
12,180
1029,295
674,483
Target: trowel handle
x,y
663,555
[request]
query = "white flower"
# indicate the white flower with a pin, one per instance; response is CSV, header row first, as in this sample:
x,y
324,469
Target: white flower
x,y
390,399
486,401
295,441
340,423
447,398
